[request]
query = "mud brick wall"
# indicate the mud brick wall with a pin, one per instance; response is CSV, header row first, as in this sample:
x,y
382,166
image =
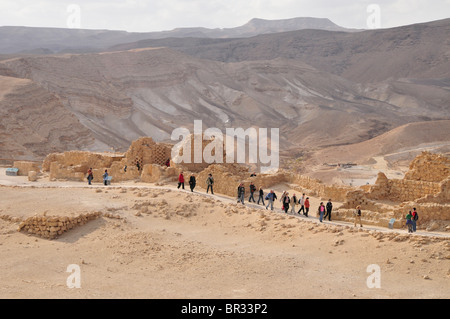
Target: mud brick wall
x,y
52,227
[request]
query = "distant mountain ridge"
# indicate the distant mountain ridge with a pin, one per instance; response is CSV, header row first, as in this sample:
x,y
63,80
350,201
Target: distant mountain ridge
x,y
31,40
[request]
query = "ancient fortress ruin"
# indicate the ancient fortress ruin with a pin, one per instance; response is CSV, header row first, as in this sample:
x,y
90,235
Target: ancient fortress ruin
x,y
426,186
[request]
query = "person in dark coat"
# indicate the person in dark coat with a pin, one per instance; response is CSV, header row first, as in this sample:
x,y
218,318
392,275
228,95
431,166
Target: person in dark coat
x,y
261,196
252,191
192,182
329,208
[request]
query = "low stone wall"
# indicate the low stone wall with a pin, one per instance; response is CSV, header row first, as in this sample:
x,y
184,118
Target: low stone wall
x,y
428,212
152,173
315,187
52,227
368,217
81,159
26,167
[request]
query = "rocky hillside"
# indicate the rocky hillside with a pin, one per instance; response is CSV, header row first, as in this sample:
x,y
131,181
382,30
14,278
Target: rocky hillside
x,y
320,88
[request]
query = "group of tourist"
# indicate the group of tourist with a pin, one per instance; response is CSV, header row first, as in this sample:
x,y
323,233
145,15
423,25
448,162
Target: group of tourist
x,y
288,203
411,220
193,182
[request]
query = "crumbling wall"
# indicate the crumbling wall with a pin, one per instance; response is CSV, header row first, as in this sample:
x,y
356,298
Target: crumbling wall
x,y
26,167
152,173
82,159
429,167
315,187
401,190
442,197
51,227
146,151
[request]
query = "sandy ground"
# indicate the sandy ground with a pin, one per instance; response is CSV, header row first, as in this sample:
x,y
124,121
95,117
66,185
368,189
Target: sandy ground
x,y
170,243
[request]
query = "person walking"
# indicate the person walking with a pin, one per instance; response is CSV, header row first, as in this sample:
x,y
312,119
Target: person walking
x,y
301,202
181,180
286,202
293,203
329,209
414,219
252,191
271,197
261,196
321,211
192,182
241,193
409,222
105,177
358,215
210,183
307,205
90,176
282,200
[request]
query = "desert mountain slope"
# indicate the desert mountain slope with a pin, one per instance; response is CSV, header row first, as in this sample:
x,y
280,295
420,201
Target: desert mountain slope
x,y
58,40
33,122
414,51
321,89
121,96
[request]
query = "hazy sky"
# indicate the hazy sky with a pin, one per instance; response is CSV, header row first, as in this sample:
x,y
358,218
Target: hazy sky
x,y
159,15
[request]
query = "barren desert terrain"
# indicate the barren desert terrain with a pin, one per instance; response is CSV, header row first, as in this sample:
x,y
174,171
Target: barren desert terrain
x,y
155,241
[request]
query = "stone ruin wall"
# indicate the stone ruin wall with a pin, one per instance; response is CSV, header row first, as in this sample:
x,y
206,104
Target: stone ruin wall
x,y
73,165
50,227
26,167
429,167
423,187
314,187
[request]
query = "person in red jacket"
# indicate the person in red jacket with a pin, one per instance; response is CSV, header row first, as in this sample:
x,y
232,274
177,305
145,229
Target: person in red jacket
x,y
181,180
306,207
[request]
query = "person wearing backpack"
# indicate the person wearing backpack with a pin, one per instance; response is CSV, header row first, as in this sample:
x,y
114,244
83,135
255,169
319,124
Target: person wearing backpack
x,y
414,219
210,183
301,202
357,213
271,197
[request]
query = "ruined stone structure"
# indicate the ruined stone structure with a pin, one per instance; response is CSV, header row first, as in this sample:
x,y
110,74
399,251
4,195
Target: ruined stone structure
x,y
26,167
426,186
74,165
51,227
